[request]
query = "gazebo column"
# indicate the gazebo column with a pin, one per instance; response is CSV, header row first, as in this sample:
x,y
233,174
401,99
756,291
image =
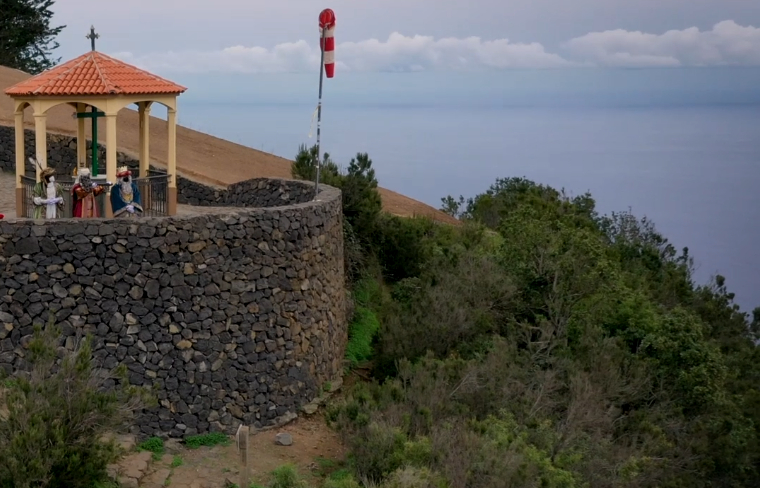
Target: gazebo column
x,y
40,141
171,160
81,138
110,158
144,111
20,163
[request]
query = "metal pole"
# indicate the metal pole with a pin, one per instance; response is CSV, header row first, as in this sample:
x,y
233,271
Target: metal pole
x,y
95,169
319,109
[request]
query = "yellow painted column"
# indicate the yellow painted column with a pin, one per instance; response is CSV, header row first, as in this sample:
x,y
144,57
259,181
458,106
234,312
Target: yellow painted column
x,y
81,138
40,141
110,158
20,163
144,139
171,160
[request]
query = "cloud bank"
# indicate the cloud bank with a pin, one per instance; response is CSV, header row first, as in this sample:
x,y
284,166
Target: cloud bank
x,y
726,44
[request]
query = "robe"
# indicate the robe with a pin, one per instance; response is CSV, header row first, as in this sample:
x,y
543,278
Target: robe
x,y
120,201
41,191
84,201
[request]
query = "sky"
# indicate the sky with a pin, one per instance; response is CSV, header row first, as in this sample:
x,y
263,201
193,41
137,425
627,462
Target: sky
x,y
243,36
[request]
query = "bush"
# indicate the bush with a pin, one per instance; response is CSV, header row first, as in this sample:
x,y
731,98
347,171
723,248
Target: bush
x,y
58,414
411,477
452,306
154,445
364,324
209,440
286,476
402,245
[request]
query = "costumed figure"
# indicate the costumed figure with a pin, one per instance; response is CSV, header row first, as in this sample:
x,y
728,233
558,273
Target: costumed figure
x,y
83,195
125,195
47,195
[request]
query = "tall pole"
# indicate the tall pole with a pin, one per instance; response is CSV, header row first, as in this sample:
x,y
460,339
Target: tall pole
x,y
94,119
319,109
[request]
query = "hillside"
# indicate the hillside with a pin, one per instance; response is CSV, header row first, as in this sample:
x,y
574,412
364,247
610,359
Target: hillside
x,y
200,156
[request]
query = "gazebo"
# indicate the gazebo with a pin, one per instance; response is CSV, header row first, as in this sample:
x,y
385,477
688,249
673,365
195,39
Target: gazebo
x,y
104,85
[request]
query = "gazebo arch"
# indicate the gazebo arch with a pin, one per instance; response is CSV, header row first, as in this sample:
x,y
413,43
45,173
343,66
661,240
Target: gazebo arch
x,y
105,85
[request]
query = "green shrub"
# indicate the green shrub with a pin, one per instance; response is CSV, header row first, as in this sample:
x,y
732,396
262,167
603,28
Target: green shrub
x,y
154,445
347,481
403,245
286,476
368,295
361,332
413,477
209,440
57,415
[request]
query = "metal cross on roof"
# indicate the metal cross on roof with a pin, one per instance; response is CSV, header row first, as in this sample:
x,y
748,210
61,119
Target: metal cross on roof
x,y
92,36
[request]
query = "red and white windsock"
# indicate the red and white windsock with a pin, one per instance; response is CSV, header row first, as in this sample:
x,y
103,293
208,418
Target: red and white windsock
x,y
327,39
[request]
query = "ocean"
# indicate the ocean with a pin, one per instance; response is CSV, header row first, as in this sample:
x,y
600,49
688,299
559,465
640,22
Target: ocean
x,y
680,146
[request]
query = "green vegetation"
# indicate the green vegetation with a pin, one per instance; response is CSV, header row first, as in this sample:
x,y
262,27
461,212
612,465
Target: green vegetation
x,y
365,324
287,476
26,37
53,419
209,440
154,445
541,344
177,462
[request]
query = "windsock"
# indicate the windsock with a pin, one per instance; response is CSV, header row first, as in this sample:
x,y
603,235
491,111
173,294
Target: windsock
x,y
327,39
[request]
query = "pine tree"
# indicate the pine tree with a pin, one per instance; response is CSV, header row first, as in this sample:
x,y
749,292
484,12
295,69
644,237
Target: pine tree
x,y
26,37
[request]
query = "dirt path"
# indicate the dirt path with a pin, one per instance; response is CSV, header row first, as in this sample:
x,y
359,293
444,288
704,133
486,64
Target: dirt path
x,y
313,443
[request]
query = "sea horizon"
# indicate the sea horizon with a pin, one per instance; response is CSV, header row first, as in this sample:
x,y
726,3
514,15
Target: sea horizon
x,y
681,147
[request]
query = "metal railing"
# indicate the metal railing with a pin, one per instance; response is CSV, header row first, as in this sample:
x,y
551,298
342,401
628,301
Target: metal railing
x,y
154,192
28,184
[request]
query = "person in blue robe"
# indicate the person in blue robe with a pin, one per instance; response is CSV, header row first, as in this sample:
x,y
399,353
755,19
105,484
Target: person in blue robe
x,y
125,195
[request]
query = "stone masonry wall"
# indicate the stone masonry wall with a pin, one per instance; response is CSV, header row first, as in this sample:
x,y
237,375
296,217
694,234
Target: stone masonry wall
x,y
230,318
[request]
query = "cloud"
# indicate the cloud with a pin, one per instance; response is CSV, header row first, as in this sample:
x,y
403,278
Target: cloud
x,y
398,53
726,44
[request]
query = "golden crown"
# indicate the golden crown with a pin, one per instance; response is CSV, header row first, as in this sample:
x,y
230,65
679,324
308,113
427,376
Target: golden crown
x,y
123,171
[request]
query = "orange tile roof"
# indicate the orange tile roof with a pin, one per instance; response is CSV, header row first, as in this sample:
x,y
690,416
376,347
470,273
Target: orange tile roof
x,y
94,73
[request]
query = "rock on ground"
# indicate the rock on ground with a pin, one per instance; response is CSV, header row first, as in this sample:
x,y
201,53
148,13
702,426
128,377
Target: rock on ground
x,y
284,439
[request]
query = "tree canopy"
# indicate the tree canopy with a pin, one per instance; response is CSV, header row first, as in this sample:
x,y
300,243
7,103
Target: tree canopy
x,y
541,344
27,39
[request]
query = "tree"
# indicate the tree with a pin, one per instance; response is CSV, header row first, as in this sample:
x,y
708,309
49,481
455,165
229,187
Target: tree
x,y
303,167
26,37
361,200
53,418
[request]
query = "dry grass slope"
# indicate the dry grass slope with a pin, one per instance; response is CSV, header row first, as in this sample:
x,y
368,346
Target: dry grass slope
x,y
201,157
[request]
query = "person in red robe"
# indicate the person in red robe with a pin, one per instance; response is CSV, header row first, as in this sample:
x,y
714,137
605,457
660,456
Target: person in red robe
x,y
83,195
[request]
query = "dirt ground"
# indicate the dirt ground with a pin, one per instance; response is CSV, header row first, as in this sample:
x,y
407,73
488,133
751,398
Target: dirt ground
x,y
201,157
315,447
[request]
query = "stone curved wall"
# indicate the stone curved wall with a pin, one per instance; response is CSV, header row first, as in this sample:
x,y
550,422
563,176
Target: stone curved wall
x,y
232,316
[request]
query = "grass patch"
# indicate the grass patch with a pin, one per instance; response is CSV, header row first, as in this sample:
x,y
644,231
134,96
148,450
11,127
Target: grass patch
x,y
341,474
177,462
331,469
208,440
154,445
364,324
286,476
